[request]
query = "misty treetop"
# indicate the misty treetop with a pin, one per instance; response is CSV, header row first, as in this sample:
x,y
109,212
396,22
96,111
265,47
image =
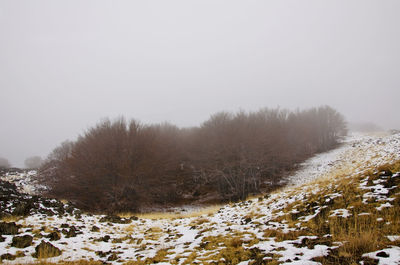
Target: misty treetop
x,y
129,166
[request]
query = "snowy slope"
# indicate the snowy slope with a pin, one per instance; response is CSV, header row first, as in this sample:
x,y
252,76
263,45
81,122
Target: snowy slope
x,y
256,230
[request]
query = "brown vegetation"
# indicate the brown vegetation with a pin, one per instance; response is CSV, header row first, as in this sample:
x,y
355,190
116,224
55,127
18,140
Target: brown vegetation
x,y
120,166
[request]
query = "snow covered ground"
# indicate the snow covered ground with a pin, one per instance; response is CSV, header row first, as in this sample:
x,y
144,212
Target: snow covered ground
x,y
25,181
355,153
255,230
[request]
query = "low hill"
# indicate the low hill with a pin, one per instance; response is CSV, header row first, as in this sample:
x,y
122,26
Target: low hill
x,y
342,207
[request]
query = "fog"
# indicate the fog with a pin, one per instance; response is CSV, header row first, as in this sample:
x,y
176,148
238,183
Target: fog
x,y
64,65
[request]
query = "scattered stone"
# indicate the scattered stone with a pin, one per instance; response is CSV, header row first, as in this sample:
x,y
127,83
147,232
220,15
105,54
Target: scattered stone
x,y
72,232
134,218
102,254
23,208
22,241
69,209
114,219
382,254
8,228
95,229
8,256
105,238
54,236
246,220
113,257
46,250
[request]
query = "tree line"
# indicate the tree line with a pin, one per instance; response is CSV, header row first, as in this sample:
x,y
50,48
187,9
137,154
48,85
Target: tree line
x,y
129,166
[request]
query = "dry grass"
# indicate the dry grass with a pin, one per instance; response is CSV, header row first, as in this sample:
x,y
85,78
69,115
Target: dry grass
x,y
11,218
359,233
159,257
281,236
171,215
78,262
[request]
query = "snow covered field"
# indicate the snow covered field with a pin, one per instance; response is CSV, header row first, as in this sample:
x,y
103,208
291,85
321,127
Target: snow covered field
x,y
256,230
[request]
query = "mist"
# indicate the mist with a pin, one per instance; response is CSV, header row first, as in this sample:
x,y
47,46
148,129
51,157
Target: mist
x,y
66,65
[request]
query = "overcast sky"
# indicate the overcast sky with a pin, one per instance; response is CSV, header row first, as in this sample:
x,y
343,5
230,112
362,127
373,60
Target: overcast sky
x,y
64,65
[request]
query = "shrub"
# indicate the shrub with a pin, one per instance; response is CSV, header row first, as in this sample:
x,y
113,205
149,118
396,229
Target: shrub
x,y
123,166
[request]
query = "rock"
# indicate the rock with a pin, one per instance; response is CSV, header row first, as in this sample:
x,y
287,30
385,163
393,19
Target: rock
x,y
22,241
8,256
105,238
22,208
382,254
246,220
8,228
112,257
102,254
134,218
46,250
54,236
115,219
72,232
95,229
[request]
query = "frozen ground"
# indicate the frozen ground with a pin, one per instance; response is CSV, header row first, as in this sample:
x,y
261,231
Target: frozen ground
x,y
254,229
25,181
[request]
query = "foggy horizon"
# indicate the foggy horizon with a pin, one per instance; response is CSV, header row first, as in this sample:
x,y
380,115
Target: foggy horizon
x,y
66,65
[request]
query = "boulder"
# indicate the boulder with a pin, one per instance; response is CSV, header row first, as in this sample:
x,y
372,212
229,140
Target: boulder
x,y
22,241
46,250
7,256
8,228
54,236
95,229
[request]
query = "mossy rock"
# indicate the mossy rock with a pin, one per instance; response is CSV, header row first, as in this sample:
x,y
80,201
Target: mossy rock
x,y
54,236
95,229
46,250
72,232
7,256
23,208
8,228
22,241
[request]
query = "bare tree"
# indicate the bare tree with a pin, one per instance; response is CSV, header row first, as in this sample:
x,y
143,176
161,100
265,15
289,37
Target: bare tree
x,y
120,166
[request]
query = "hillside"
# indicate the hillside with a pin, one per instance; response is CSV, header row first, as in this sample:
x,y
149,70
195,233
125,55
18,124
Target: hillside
x,y
341,207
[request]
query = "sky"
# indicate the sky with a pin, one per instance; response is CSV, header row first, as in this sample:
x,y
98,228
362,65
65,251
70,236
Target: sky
x,y
65,65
